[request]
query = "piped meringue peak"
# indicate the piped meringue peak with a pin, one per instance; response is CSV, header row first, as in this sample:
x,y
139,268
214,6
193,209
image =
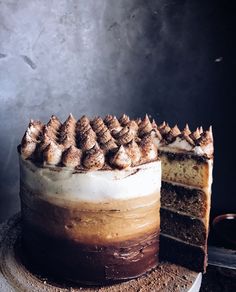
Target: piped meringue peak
x,y
108,143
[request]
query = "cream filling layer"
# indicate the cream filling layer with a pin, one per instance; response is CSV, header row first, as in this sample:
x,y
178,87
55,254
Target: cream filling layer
x,y
181,145
207,189
180,240
91,186
203,219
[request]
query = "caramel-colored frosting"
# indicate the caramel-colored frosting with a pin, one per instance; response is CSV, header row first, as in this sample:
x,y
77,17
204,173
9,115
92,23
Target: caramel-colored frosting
x,y
93,144
95,222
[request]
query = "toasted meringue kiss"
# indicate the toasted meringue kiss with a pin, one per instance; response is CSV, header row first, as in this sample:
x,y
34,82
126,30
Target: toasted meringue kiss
x,y
195,135
145,126
94,158
172,134
125,135
120,159
72,157
148,149
67,142
164,129
113,124
87,142
31,138
28,146
186,131
54,123
104,136
52,154
109,145
139,139
134,152
124,120
97,124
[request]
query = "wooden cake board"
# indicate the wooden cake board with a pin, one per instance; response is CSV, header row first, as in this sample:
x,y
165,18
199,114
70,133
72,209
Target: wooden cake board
x,y
14,276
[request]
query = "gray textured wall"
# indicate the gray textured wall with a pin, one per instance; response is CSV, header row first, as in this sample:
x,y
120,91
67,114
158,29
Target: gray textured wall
x,y
109,56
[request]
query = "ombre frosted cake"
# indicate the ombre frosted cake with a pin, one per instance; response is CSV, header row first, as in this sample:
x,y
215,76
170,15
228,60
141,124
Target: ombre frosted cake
x,y
90,198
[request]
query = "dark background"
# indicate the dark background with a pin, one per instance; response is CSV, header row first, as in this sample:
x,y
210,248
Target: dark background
x,y
174,60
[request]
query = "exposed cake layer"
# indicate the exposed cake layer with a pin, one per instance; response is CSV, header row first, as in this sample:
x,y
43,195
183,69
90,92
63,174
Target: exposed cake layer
x,y
92,223
90,264
184,254
181,226
94,186
186,169
185,199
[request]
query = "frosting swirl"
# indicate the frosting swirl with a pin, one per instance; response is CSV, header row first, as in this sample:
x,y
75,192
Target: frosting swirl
x,y
68,128
172,134
50,132
148,149
67,132
133,126
54,122
104,135
195,135
97,124
53,127
94,158
205,142
120,159
164,129
124,120
72,157
109,145
112,123
31,138
35,129
186,131
134,152
83,124
108,118
206,138
145,126
45,140
87,142
125,135
68,141
28,145
52,154
99,141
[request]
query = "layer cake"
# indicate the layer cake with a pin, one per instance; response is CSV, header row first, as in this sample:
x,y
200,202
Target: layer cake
x,y
90,198
187,161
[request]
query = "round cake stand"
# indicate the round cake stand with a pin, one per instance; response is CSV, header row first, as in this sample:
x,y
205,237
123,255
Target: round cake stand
x,y
14,276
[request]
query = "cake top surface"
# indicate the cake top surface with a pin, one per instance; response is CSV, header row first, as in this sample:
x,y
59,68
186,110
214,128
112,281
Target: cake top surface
x,y
109,143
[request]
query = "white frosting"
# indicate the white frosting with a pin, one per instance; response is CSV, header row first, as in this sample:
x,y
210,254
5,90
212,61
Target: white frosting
x,y
181,144
198,150
92,186
208,149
